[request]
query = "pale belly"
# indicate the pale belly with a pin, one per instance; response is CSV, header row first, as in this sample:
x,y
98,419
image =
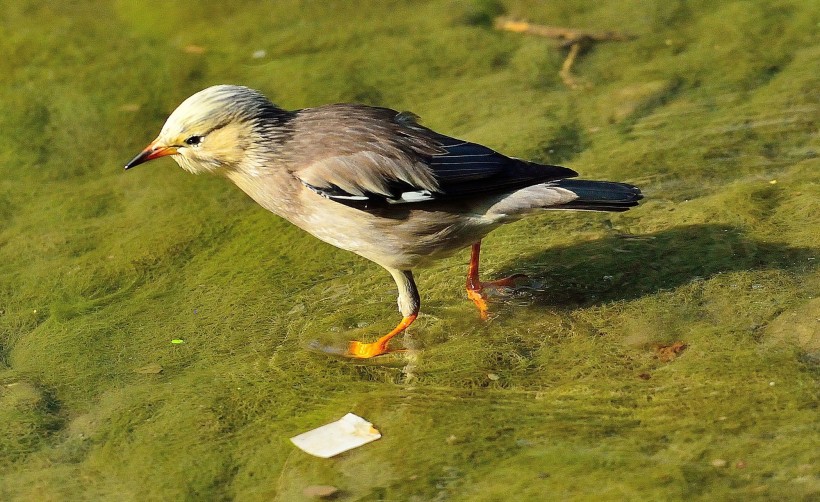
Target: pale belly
x,y
401,239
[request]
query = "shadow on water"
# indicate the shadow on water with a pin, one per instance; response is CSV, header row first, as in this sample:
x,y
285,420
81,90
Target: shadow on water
x,y
626,267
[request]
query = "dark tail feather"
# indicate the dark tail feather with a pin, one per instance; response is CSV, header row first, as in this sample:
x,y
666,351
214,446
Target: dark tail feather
x,y
600,195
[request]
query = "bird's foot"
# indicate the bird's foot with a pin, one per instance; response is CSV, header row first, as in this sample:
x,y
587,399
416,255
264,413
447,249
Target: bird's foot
x,y
507,282
360,350
476,291
352,350
478,297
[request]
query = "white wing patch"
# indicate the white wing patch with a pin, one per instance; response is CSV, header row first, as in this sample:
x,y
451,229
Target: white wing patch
x,y
415,196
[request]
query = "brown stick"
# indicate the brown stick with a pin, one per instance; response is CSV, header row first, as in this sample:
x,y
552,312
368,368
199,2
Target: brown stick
x,y
565,73
576,40
569,35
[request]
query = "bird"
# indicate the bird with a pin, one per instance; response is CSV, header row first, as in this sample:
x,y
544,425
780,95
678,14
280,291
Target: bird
x,y
373,181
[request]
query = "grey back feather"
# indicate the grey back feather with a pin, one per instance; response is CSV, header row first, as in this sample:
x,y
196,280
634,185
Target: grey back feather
x,y
359,150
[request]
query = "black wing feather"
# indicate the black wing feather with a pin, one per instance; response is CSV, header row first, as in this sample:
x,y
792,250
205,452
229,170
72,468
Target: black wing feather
x,y
466,169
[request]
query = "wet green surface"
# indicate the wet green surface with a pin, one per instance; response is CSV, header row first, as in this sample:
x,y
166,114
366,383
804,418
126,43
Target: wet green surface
x,y
713,110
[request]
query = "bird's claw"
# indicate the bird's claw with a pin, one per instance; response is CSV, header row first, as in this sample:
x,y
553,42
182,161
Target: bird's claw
x,y
479,297
353,350
507,282
360,350
480,301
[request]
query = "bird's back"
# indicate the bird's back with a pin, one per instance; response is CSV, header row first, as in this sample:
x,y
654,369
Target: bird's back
x,y
368,156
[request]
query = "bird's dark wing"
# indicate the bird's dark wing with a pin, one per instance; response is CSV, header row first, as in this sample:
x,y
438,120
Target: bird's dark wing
x,y
368,157
466,169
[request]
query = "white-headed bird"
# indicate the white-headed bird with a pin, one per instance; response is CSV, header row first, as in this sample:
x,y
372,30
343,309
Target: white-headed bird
x,y
372,181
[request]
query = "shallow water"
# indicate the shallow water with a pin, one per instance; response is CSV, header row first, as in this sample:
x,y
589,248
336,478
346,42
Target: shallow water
x,y
567,392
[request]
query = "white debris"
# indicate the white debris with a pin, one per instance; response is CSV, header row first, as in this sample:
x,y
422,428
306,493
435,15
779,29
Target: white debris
x,y
350,431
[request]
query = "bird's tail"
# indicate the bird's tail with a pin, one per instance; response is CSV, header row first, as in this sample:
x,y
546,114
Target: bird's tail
x,y
599,195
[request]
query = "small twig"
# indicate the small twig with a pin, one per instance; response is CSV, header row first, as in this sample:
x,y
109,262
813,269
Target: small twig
x,y
576,40
569,35
565,73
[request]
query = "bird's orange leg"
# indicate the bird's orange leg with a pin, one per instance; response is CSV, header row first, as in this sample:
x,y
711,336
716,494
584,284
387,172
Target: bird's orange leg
x,y
361,350
409,304
475,288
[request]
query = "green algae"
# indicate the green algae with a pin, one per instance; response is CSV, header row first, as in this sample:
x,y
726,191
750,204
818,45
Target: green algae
x,y
712,109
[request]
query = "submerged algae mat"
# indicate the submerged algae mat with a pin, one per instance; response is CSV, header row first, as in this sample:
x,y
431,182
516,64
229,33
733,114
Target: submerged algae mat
x,y
566,393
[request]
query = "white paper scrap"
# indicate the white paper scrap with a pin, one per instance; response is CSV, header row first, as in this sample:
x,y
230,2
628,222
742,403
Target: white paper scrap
x,y
350,431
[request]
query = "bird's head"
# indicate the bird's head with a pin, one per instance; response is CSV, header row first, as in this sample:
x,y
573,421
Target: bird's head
x,y
215,130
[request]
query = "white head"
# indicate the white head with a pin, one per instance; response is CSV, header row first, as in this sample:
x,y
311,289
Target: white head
x,y
216,129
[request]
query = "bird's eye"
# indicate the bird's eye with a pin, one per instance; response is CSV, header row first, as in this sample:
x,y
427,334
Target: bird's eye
x,y
193,140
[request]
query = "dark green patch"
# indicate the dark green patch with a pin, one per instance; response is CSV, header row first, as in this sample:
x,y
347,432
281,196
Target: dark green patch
x,y
478,12
567,141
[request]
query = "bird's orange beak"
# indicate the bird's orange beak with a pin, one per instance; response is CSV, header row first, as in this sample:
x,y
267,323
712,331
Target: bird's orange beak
x,y
152,151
